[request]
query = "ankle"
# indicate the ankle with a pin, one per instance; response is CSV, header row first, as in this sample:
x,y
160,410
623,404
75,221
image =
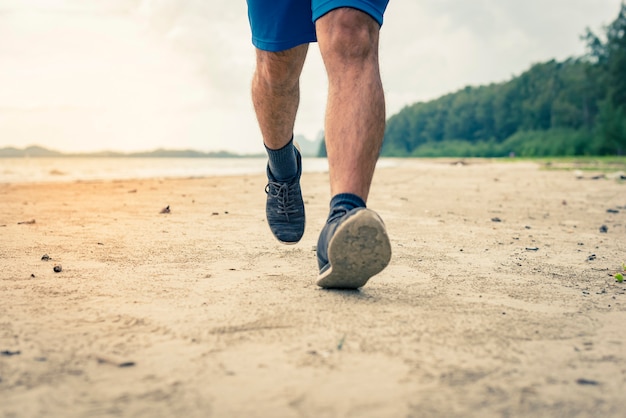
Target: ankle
x,y
283,163
345,202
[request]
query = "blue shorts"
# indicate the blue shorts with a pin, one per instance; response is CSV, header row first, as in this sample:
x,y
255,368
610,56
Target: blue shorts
x,y
278,25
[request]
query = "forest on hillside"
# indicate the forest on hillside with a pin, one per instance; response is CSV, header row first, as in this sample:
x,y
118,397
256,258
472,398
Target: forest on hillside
x,y
574,107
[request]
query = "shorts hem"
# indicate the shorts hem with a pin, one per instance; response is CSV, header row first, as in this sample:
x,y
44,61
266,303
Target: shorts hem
x,y
363,6
277,46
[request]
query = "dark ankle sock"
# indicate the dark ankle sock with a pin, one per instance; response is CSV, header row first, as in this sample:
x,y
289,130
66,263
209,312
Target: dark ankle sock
x,y
345,201
282,162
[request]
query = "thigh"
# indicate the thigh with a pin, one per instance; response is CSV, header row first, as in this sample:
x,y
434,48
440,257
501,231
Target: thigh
x,y
278,25
375,8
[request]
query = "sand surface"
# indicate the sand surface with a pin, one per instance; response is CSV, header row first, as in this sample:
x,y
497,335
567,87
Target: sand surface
x,y
499,300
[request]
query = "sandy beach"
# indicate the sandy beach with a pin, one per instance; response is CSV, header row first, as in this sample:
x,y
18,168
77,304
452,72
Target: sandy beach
x,y
499,300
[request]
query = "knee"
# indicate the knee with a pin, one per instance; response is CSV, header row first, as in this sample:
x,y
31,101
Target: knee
x,y
277,70
348,35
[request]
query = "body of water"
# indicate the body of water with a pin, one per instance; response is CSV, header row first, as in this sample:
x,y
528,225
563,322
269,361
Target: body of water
x,y
36,170
47,170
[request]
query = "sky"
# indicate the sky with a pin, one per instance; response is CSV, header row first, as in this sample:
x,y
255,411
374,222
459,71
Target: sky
x,y
136,75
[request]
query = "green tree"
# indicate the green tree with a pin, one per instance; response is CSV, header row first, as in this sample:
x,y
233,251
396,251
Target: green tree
x,y
574,107
609,57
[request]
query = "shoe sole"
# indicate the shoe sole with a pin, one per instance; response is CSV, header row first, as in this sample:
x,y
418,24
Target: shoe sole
x,y
358,250
287,242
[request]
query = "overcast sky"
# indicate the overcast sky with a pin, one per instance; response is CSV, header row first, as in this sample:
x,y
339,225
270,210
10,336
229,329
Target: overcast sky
x,y
130,75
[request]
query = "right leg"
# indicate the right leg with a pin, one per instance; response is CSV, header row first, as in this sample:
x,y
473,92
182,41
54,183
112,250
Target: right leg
x,y
281,32
276,93
276,96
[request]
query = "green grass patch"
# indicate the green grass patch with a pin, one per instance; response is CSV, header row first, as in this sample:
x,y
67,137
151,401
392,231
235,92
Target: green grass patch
x,y
602,164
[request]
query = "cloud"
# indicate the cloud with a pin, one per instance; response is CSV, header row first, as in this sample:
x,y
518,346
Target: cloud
x,y
140,74
124,75
445,45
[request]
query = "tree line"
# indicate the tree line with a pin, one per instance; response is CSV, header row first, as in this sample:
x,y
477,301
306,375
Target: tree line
x,y
573,107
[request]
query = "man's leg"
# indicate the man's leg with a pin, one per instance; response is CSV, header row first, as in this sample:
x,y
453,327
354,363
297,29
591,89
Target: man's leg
x,y
353,246
276,93
355,113
276,96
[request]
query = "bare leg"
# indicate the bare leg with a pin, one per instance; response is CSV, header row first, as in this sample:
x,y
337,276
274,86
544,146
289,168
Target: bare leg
x,y
276,96
355,113
276,93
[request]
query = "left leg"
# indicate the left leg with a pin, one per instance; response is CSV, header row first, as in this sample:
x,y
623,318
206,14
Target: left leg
x,y
355,113
353,245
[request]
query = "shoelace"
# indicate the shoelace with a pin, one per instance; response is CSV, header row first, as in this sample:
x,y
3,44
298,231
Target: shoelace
x,y
281,192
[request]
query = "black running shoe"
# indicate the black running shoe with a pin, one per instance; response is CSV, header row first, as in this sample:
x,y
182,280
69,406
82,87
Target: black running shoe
x,y
353,246
284,207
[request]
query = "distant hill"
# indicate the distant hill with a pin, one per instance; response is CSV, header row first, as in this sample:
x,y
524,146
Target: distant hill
x,y
573,107
32,151
36,151
309,148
